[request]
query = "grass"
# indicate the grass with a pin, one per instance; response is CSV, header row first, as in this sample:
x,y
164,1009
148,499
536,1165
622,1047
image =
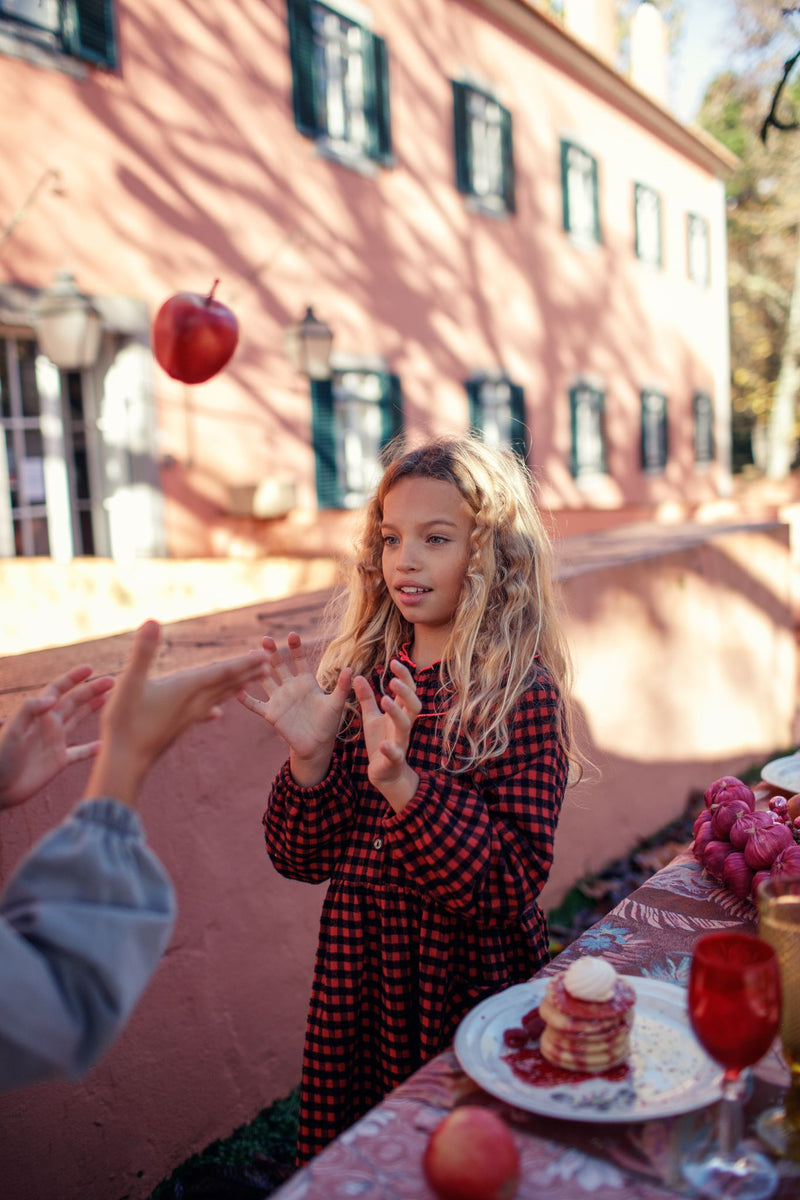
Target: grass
x,y
252,1161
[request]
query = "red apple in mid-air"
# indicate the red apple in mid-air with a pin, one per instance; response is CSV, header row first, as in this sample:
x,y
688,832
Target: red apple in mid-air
x,y
194,336
472,1155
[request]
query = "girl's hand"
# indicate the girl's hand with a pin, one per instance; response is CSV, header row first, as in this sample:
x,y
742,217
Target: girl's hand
x,y
33,741
387,730
298,709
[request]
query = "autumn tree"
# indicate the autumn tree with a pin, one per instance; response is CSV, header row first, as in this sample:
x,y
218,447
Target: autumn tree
x,y
763,229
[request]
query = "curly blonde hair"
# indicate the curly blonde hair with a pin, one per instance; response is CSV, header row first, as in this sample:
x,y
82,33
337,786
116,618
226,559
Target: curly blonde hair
x,y
507,621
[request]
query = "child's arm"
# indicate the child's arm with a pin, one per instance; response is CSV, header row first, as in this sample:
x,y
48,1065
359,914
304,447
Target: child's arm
x,y
298,709
88,912
387,729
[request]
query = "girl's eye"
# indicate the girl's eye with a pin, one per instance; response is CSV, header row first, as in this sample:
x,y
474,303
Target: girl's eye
x,y
438,539
389,539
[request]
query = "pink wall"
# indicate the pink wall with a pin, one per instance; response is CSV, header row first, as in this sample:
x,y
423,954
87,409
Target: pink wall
x,y
685,659
185,165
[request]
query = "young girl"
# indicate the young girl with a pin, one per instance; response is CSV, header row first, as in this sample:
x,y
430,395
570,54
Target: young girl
x,y
428,761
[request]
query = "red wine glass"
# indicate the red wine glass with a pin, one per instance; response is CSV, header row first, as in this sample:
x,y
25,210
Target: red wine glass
x,y
735,1012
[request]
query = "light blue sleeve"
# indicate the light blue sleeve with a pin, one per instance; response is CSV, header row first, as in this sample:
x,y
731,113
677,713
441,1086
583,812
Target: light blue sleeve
x,y
84,921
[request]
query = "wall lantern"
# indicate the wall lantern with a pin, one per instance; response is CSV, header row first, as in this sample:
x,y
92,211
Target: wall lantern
x,y
308,346
68,326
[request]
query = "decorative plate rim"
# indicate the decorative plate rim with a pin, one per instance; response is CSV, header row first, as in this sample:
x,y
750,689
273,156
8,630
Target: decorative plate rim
x,y
771,772
478,1049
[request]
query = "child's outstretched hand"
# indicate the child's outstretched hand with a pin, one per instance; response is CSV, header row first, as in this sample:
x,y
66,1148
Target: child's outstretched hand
x,y
299,710
33,741
387,729
145,716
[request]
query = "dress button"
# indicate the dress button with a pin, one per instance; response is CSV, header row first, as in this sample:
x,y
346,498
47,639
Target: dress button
x,y
378,843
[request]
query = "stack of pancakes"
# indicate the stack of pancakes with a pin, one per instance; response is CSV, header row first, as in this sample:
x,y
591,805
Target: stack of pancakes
x,y
586,1035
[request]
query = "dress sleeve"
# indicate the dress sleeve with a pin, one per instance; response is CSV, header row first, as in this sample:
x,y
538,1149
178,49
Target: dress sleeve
x,y
84,921
307,828
482,844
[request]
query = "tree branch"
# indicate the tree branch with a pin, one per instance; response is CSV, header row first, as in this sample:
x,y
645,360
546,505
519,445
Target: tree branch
x,y
771,119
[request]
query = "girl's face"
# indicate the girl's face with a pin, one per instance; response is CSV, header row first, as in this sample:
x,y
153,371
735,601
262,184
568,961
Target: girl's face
x,y
426,531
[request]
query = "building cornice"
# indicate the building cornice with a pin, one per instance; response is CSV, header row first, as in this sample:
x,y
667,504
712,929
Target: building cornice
x,y
566,51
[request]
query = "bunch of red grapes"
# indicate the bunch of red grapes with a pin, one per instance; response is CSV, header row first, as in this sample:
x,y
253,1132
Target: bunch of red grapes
x,y
740,845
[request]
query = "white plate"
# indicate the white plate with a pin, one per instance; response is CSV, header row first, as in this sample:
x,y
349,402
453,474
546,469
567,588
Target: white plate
x,y
670,1072
783,773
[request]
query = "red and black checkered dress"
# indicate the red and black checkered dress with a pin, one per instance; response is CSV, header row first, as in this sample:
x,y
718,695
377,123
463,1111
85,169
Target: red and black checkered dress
x,y
429,910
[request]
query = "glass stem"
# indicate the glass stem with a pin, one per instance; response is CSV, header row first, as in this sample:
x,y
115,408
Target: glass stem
x,y
729,1130
792,1104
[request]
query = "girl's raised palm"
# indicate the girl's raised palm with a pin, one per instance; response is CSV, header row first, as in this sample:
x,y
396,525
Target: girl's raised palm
x,y
387,727
296,706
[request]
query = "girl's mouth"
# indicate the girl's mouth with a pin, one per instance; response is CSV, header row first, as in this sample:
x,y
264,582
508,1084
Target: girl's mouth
x,y
408,590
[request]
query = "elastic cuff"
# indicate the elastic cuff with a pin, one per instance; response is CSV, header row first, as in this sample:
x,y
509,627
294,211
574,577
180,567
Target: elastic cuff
x,y
112,814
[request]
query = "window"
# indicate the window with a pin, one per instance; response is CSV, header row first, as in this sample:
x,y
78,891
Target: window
x,y
340,76
587,408
654,432
483,151
647,218
698,250
81,28
497,411
49,465
579,193
24,502
703,422
354,415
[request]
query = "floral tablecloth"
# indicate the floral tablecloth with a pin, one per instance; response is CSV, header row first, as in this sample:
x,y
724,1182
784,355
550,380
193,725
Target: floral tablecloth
x,y
651,933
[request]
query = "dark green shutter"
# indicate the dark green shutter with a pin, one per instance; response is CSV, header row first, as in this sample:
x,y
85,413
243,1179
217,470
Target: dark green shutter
x,y
573,408
461,138
87,30
391,403
598,407
654,456
565,194
508,162
519,429
596,199
376,74
703,428
323,435
301,51
473,387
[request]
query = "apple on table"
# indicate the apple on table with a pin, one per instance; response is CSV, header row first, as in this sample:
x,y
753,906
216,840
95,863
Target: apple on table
x,y
194,336
472,1155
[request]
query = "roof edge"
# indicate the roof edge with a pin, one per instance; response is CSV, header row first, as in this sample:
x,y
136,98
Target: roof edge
x,y
591,68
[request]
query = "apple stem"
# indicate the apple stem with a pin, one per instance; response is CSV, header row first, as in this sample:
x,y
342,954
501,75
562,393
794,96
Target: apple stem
x,y
210,295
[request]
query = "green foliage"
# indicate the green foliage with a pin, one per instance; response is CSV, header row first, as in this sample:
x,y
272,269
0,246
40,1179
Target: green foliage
x,y
273,1133
727,125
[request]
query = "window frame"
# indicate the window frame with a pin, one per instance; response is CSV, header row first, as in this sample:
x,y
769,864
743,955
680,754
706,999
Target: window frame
x,y
581,236
500,202
520,432
599,467
85,30
307,81
657,263
324,430
697,221
704,455
654,454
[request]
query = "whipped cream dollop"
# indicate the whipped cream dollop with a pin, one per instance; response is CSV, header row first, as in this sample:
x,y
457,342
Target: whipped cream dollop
x,y
590,978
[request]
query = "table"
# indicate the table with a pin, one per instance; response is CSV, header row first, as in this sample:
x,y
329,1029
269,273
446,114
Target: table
x,y
651,933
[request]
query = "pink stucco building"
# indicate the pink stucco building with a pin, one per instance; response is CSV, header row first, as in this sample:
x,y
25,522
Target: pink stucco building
x,y
501,228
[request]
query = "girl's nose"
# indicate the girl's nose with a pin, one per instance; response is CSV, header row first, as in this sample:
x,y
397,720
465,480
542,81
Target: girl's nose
x,y
408,558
